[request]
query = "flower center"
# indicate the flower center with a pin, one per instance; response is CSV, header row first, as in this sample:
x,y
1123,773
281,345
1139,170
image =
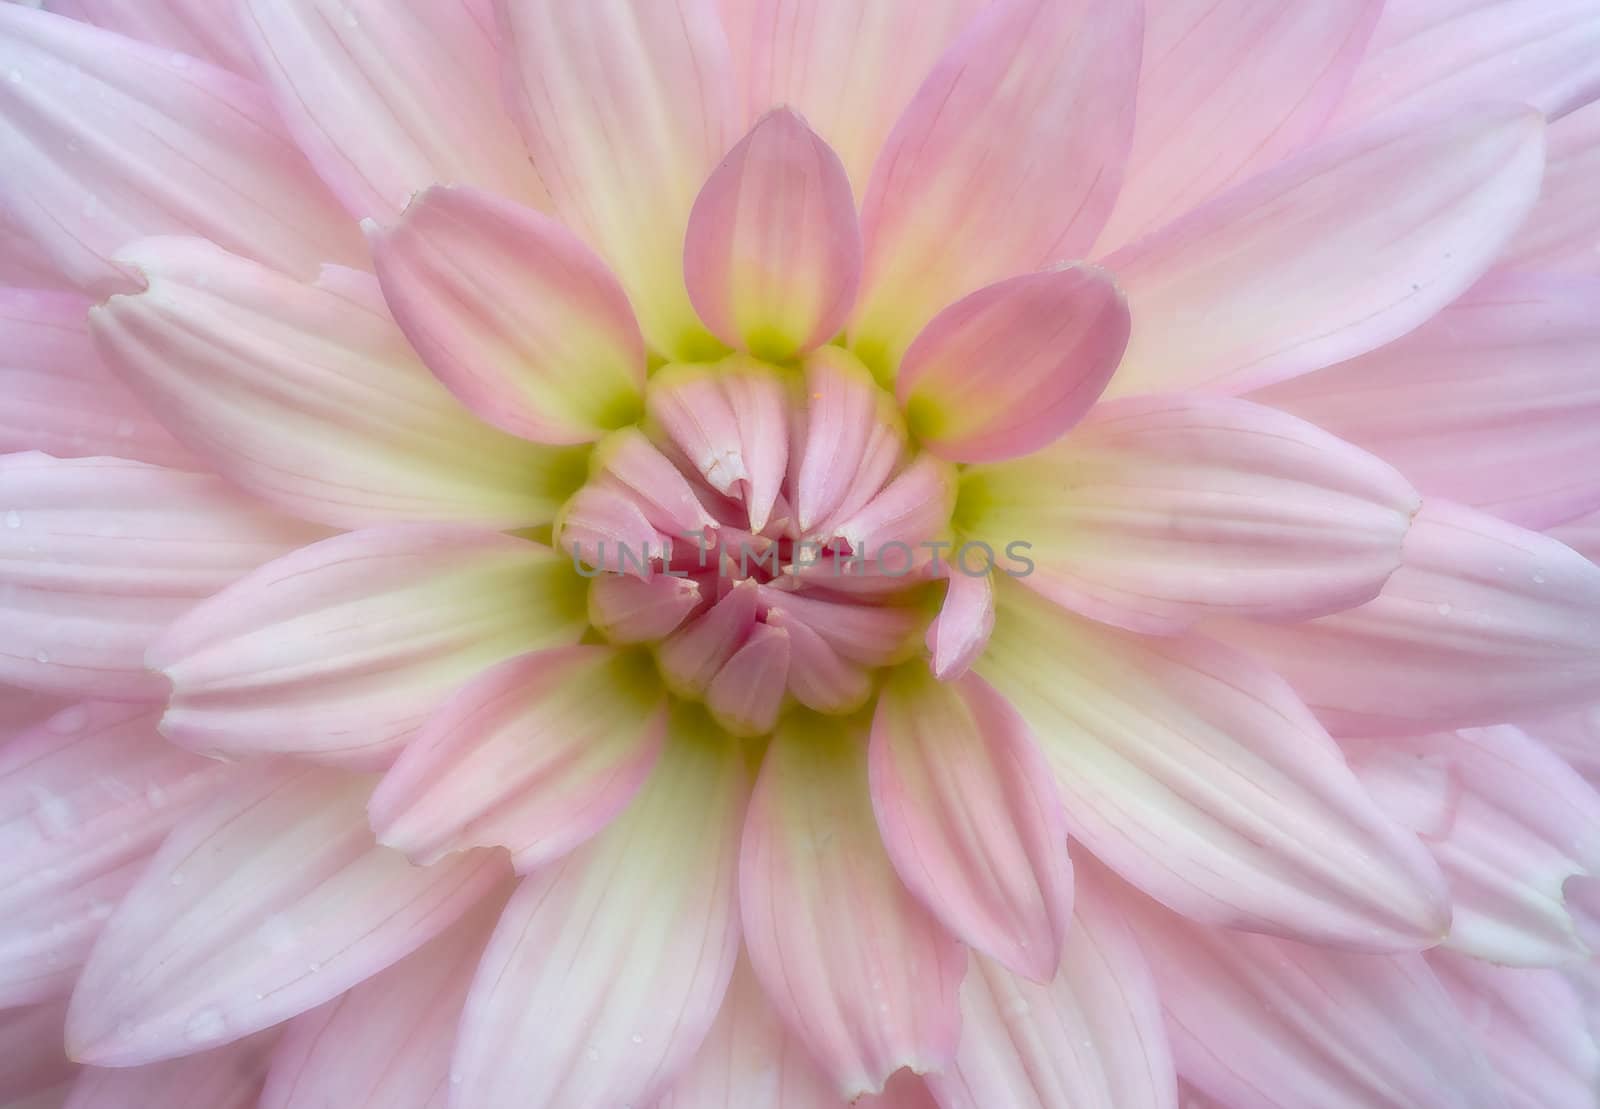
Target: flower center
x,y
770,529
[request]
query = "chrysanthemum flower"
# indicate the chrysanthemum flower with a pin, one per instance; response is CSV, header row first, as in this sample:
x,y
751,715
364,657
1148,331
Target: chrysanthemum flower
x,y
580,554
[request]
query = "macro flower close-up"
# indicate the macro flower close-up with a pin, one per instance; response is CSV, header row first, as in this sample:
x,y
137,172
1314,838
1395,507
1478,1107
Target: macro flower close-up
x,y
793,554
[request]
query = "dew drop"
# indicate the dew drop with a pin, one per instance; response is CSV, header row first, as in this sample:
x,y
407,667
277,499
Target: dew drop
x,y
1538,579
41,655
277,934
592,1053
636,1038
177,878
207,1024
15,76
1018,1007
70,720
13,519
53,812
1445,610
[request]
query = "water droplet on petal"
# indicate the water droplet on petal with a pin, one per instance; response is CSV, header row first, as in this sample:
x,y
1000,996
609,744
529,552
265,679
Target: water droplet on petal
x,y
13,519
69,720
205,1025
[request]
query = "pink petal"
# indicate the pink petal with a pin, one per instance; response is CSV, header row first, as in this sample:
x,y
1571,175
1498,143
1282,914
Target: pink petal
x,y
107,140
908,514
1582,535
309,396
640,84
21,708
607,968
1195,773
1331,253
958,635
669,503
871,635
1261,1023
1228,89
1511,825
761,404
1491,403
535,755
261,905
202,28
629,609
1090,1038
1158,511
748,691
227,1077
692,656
386,100
60,398
853,963
949,209
32,1063
341,650
604,529
819,677
1009,368
697,416
1483,622
970,818
514,314
24,263
98,556
772,258
844,408
85,797
1575,736
386,1043
1563,233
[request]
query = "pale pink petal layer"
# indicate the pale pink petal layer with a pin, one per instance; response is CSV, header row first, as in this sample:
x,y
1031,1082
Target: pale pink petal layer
x,y
536,755
20,708
958,635
607,969
1483,622
514,314
951,209
1226,90
227,1077
202,28
772,257
1582,535
107,140
1563,233
308,395
854,964
1492,403
1155,512
1329,254
388,99
970,818
260,905
626,105
99,555
1009,368
1196,774
341,650
34,1071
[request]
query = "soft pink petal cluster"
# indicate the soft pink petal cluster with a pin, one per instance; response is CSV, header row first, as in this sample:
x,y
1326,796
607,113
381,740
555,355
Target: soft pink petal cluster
x,y
450,651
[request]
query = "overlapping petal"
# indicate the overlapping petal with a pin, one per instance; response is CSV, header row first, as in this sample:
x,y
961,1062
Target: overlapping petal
x,y
228,1077
34,1071
1562,235
199,27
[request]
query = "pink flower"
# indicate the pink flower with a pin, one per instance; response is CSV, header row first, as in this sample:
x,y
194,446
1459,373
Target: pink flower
x,y
1032,553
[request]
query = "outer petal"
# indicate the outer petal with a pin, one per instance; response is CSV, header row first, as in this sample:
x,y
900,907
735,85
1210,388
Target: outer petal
x,y
342,649
1510,824
626,105
107,140
309,396
1226,90
386,1043
958,635
854,964
85,797
1195,773
1009,368
20,708
388,99
98,555
228,1077
34,1071
1582,535
970,818
60,398
607,969
1261,1023
1091,1038
1157,511
514,314
202,28
951,209
1563,233
1330,254
536,755
1493,402
261,905
1483,622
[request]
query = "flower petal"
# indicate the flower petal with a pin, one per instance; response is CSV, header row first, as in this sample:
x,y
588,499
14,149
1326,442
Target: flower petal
x,y
309,396
262,904
228,1077
772,257
514,314
970,818
958,635
856,967
626,105
1483,622
20,708
202,28
388,99
1331,253
607,968
1008,369
107,140
1196,774
1157,511
99,555
32,1063
949,209
1228,89
1492,403
341,650
535,755
1563,233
